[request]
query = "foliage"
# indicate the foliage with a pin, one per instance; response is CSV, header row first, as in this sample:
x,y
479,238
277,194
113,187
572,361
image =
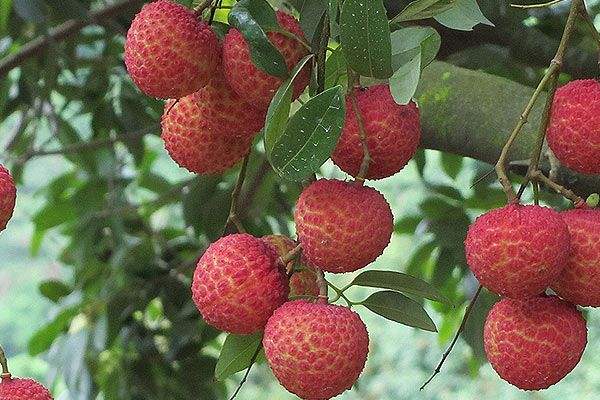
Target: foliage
x,y
125,325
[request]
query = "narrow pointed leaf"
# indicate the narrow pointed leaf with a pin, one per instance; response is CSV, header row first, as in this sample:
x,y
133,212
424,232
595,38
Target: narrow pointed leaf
x,y
253,18
399,308
423,9
365,37
310,136
236,354
279,109
401,283
463,16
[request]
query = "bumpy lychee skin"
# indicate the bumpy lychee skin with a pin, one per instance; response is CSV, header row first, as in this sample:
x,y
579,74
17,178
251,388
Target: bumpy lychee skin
x,y
302,283
169,52
517,251
574,129
316,351
533,343
238,283
393,133
23,389
253,84
8,197
195,143
578,283
342,226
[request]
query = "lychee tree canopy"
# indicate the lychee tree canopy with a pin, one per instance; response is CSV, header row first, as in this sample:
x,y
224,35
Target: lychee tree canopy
x,y
131,226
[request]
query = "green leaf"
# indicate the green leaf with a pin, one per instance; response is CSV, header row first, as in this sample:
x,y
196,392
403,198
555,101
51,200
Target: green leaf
x,y
365,38
236,354
311,12
399,308
463,16
400,282
336,71
253,18
413,48
310,136
279,109
452,164
43,339
5,9
54,290
423,9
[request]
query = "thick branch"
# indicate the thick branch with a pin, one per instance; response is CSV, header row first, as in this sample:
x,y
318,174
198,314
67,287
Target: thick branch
x,y
471,114
62,32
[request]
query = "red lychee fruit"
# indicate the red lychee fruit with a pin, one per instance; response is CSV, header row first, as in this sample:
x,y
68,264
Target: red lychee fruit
x,y
169,52
303,282
533,343
574,129
23,389
8,197
316,350
342,226
517,251
578,282
196,134
253,84
238,283
393,133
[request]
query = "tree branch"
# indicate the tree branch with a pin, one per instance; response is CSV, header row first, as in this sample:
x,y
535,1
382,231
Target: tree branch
x,y
471,113
62,32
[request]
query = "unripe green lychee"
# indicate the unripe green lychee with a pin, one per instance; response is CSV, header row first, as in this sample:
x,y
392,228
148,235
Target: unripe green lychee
x,y
574,129
316,350
533,343
194,139
578,282
23,389
238,283
169,52
8,197
393,133
342,226
517,251
303,282
252,84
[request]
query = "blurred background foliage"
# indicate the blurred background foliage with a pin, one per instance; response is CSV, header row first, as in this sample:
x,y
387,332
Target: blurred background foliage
x,y
96,264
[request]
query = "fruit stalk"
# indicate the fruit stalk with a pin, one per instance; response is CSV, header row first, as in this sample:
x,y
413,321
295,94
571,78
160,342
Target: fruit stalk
x,y
322,284
553,72
4,363
235,194
550,78
362,130
566,193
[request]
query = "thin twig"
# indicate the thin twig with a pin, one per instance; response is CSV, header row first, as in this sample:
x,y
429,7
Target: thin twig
x,y
235,194
322,285
567,193
291,255
4,363
456,336
540,5
245,378
62,32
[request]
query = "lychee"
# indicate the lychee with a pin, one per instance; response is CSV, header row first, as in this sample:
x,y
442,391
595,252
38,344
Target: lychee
x,y
533,343
23,389
8,197
302,282
516,250
574,129
195,142
238,283
169,52
578,282
253,84
342,226
393,133
316,350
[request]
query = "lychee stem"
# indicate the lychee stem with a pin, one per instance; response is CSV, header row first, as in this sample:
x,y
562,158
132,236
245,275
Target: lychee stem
x,y
4,363
362,130
292,255
322,285
235,194
567,193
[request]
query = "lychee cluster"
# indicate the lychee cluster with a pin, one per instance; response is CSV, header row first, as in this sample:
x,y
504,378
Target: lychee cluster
x,y
217,98
533,340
